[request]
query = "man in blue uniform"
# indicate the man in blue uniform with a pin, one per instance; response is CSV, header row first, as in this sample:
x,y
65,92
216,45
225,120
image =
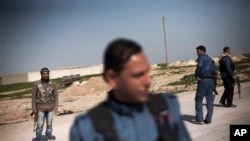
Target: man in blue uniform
x,y
204,73
227,75
130,113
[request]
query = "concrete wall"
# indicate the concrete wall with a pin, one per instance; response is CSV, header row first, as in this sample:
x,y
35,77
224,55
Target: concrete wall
x,y
33,76
15,78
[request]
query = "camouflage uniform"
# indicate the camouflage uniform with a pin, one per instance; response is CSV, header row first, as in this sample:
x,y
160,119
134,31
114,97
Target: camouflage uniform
x,y
44,101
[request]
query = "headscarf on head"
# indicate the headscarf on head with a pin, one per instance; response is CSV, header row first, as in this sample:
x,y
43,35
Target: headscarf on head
x,y
44,70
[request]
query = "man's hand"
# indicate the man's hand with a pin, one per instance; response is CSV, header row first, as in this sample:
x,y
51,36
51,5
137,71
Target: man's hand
x,y
56,111
32,113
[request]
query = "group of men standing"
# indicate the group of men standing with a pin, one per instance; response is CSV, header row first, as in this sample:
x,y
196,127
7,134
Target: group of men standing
x,y
130,112
205,73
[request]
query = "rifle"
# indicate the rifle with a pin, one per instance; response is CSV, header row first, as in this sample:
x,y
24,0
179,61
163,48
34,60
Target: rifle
x,y
35,120
237,82
215,84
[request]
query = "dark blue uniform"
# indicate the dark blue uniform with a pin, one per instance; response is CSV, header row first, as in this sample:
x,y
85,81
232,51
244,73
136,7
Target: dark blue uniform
x,y
227,72
205,70
132,122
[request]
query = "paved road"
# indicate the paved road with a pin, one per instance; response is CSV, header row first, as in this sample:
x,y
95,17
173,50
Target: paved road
x,y
222,117
217,131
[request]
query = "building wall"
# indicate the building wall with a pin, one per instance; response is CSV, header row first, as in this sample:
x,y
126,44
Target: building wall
x,y
33,76
15,78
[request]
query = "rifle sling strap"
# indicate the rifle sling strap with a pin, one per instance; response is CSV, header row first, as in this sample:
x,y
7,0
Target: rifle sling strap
x,y
103,120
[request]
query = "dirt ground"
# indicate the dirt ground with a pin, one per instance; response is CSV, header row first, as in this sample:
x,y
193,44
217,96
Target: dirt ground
x,y
218,130
81,96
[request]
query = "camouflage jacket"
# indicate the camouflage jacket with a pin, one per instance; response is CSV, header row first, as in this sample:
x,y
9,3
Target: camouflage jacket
x,y
44,96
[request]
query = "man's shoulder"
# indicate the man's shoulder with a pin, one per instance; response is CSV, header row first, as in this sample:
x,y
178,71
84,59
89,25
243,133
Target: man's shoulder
x,y
37,82
168,103
82,116
206,56
169,95
169,98
91,118
82,124
203,57
52,82
226,57
226,60
96,109
211,58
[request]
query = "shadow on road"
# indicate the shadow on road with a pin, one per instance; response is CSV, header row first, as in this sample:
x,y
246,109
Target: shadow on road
x,y
215,105
188,118
44,138
219,105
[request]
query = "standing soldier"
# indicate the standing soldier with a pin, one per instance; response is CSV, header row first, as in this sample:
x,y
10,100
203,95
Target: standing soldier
x,y
227,75
205,71
44,101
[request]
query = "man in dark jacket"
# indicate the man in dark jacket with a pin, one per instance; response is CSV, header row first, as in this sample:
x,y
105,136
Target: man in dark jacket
x,y
204,73
227,75
44,102
126,70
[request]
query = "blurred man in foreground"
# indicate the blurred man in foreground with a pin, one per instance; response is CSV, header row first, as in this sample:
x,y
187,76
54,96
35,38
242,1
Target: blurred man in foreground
x,y
130,113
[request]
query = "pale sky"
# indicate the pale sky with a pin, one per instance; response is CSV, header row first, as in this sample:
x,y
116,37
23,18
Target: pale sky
x,y
58,34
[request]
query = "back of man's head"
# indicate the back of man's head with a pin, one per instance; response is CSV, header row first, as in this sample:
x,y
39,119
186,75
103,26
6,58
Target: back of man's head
x,y
226,49
117,53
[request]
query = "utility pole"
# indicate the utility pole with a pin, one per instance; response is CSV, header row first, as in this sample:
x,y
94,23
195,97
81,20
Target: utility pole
x,y
165,42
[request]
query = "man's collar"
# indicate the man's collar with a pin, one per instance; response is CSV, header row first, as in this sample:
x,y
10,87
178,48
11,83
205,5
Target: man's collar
x,y
123,108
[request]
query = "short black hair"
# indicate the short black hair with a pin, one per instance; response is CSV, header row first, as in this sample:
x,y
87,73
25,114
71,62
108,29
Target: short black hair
x,y
118,52
225,49
201,47
44,70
